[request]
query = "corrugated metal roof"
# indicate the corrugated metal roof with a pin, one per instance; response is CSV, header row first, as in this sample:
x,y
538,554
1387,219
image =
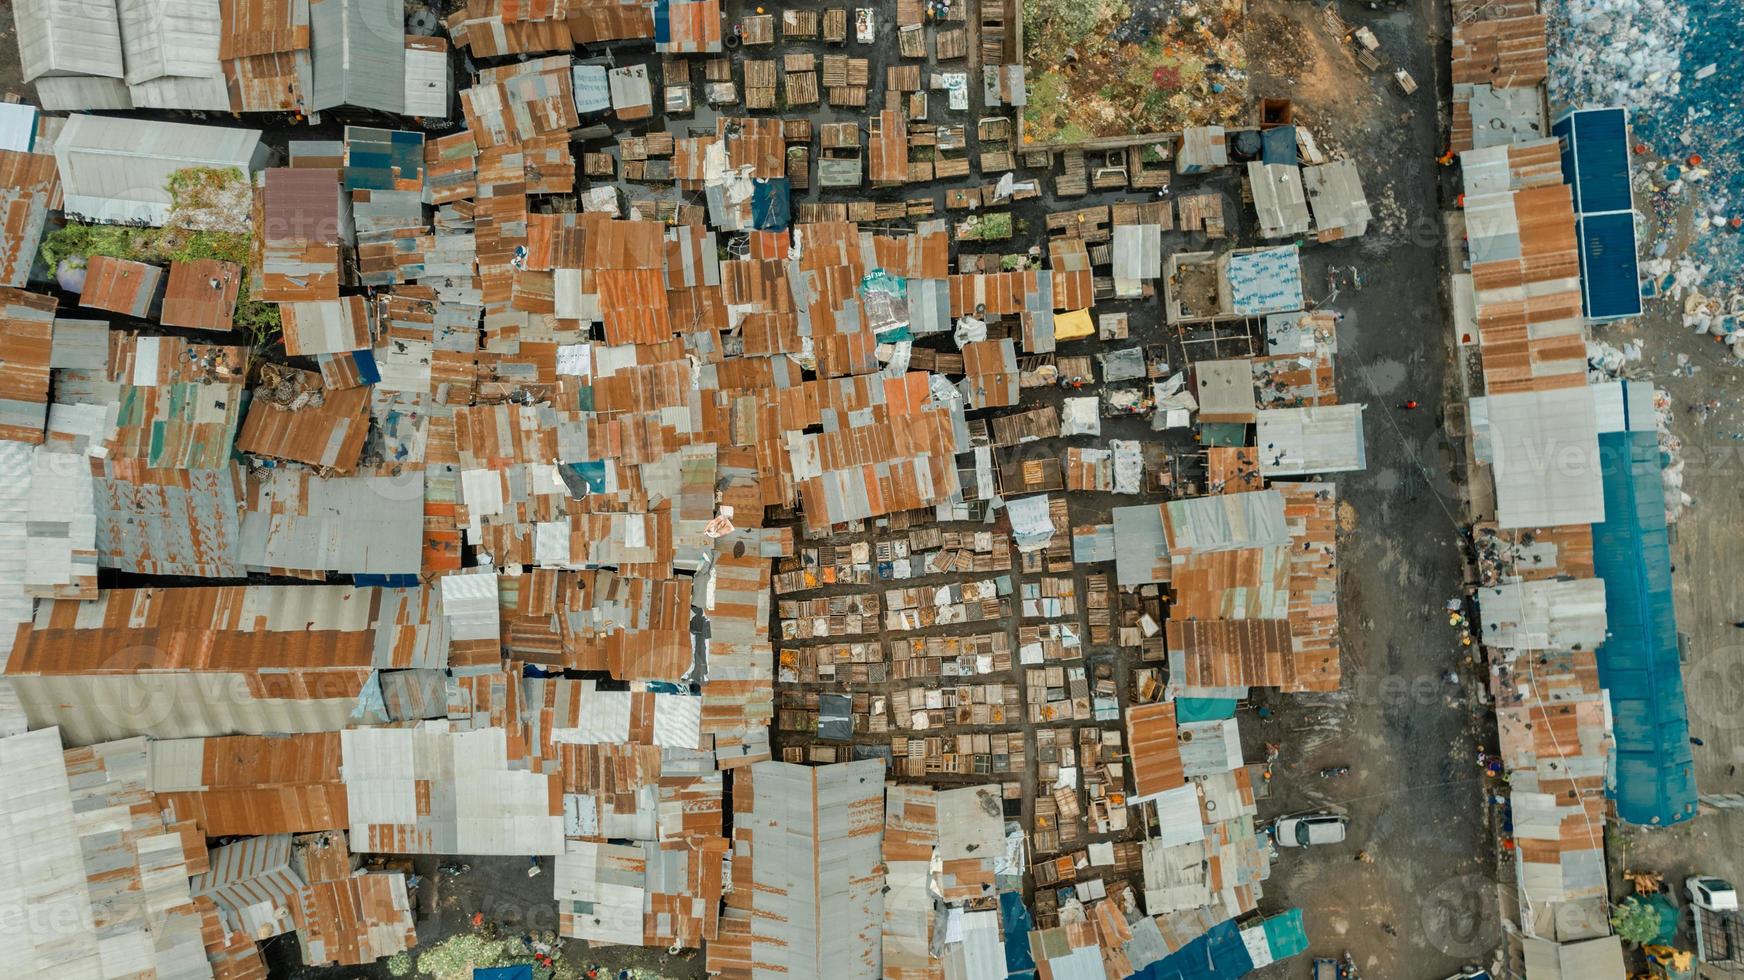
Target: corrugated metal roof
x,y
1544,448
354,920
368,524
121,286
359,53
1225,522
477,803
808,848
44,869
201,294
29,187
70,37
26,350
1301,441
1335,193
296,418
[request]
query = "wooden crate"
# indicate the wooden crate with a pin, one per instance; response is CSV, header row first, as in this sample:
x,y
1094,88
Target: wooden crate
x,y
836,25
799,25
911,41
758,29
802,88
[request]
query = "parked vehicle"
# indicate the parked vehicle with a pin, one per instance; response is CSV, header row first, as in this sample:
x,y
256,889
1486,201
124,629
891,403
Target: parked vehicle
x,y
1719,936
1309,830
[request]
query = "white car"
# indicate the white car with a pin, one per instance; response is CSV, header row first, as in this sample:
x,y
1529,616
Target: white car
x,y
1309,830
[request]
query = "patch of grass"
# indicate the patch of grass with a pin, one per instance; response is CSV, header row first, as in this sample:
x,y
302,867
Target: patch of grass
x,y
191,187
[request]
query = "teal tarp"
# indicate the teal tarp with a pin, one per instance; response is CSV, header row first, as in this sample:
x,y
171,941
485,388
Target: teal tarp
x,y
1204,709
1638,662
1285,935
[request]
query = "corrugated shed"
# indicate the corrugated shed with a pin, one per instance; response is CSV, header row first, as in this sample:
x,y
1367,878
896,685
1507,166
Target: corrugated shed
x,y
43,865
1301,441
29,188
1505,52
26,351
513,102
1225,522
69,37
807,846
600,890
121,286
201,294
252,882
359,53
355,920
60,525
208,661
296,521
1335,194
118,169
430,791
1152,741
687,26
136,865
251,784
170,38
331,326
293,417
383,159
427,88
1544,447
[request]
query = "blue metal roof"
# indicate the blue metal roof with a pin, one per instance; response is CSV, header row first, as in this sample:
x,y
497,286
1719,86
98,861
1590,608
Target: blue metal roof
x,y
1595,163
1015,923
1595,159
1610,269
1638,662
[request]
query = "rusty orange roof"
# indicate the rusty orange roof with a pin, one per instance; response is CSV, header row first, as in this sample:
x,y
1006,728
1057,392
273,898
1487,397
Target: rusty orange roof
x,y
26,346
1506,53
121,286
29,188
201,294
254,784
295,417
1154,744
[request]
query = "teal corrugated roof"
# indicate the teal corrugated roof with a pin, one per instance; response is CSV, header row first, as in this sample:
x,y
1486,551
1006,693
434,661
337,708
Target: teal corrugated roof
x,y
1285,935
1638,662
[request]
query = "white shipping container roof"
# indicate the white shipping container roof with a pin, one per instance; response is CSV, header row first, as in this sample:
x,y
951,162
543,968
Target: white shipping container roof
x,y
118,170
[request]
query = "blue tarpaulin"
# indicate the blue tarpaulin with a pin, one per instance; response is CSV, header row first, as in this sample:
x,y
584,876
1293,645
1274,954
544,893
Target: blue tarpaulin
x,y
771,209
1218,955
1278,145
522,972
1638,662
1015,923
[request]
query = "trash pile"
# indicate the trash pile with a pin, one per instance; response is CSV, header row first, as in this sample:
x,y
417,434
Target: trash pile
x,y
1675,65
